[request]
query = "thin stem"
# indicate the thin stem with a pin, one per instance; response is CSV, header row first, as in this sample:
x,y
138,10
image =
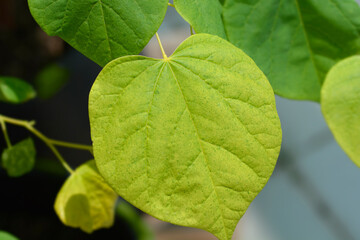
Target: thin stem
x,y
171,5
51,143
51,146
71,145
161,47
6,136
191,30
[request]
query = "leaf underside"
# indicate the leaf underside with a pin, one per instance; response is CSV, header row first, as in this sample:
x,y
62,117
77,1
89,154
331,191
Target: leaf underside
x,y
294,42
191,139
340,101
85,200
101,29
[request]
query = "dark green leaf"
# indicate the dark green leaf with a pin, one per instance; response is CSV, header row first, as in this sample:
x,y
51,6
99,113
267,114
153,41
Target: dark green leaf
x,y
101,29
15,90
50,80
20,158
295,42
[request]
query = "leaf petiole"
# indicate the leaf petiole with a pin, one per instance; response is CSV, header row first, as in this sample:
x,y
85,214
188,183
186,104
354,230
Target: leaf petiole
x,y
51,143
171,5
6,136
161,47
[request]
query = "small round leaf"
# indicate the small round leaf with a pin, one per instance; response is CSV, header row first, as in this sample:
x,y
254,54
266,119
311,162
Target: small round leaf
x,y
19,158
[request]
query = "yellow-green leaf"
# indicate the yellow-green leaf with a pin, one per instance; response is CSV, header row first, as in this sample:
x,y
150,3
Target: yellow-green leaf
x,y
85,201
190,139
19,159
340,103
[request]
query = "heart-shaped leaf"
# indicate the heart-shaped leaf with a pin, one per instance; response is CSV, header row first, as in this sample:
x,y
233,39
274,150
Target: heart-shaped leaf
x,y
340,101
19,159
15,90
190,139
85,200
294,42
101,29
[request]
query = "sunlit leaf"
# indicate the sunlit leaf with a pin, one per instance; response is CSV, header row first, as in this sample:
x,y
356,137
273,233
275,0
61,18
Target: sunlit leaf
x,y
295,42
101,29
15,90
340,103
190,139
20,158
85,201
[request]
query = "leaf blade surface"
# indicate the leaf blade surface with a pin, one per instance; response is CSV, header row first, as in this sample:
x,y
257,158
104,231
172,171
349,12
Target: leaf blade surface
x,y
19,159
15,90
294,42
85,201
182,138
340,99
101,29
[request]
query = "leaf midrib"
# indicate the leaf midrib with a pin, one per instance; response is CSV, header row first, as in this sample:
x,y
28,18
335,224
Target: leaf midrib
x,y
307,41
201,147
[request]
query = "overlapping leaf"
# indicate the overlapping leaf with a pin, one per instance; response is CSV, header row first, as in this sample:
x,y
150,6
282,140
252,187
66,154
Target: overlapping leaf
x,y
101,29
85,200
19,159
15,90
340,101
190,139
294,42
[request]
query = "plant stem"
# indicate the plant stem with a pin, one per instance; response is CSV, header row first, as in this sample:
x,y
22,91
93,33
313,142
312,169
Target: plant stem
x,y
171,5
51,146
51,143
71,145
191,30
161,47
6,136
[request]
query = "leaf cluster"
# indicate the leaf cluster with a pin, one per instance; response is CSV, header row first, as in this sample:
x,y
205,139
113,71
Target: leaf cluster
x,y
193,138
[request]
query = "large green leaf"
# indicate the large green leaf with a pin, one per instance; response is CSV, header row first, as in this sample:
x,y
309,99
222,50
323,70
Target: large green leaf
x,y
190,139
15,90
19,158
295,42
340,101
101,29
85,200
